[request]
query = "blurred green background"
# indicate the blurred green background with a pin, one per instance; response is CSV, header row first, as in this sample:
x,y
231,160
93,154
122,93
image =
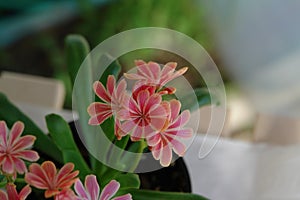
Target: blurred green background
x,y
33,31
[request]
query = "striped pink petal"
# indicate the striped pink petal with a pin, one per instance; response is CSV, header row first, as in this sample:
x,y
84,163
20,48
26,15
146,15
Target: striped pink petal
x,y
15,132
153,140
178,147
175,106
91,191
50,170
80,190
12,191
110,85
99,112
20,165
29,155
8,165
101,91
92,187
110,190
123,197
47,177
166,156
66,194
24,192
151,73
37,177
139,62
24,142
181,120
13,148
182,133
155,70
3,195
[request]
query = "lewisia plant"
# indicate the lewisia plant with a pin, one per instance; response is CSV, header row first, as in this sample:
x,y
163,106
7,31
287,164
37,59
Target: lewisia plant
x,y
57,184
142,112
138,113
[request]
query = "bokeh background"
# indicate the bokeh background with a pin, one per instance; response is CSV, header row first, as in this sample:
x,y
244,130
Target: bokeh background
x,y
250,42
33,32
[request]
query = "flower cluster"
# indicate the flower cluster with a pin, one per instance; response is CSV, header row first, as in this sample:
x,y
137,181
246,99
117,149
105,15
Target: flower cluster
x,y
14,149
143,113
91,191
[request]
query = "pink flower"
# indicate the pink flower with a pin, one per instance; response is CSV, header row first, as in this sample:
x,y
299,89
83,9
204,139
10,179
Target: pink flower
x,y
91,191
12,193
66,194
46,177
14,148
168,138
113,99
151,74
145,115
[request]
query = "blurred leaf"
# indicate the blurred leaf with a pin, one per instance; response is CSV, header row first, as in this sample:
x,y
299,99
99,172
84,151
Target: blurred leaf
x,y
108,128
77,48
11,114
138,148
62,136
80,164
113,69
203,98
138,194
3,181
128,180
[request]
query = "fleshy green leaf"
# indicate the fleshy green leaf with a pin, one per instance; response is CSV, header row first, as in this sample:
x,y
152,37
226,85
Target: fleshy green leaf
x,y
77,48
113,69
128,180
138,194
62,136
136,147
10,114
80,164
3,181
203,98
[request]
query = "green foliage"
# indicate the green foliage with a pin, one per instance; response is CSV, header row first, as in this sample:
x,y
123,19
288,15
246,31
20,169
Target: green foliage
x,y
62,136
203,98
10,114
77,48
113,69
128,181
138,194
3,181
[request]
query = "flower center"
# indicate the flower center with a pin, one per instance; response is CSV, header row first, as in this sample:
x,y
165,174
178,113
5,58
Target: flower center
x,y
165,127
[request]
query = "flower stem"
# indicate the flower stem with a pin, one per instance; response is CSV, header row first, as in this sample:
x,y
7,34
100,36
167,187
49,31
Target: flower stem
x,y
20,180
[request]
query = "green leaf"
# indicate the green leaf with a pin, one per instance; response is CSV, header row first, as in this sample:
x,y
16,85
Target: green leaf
x,y
11,114
128,180
62,136
116,154
138,194
136,147
108,128
3,181
80,164
203,98
77,48
113,69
